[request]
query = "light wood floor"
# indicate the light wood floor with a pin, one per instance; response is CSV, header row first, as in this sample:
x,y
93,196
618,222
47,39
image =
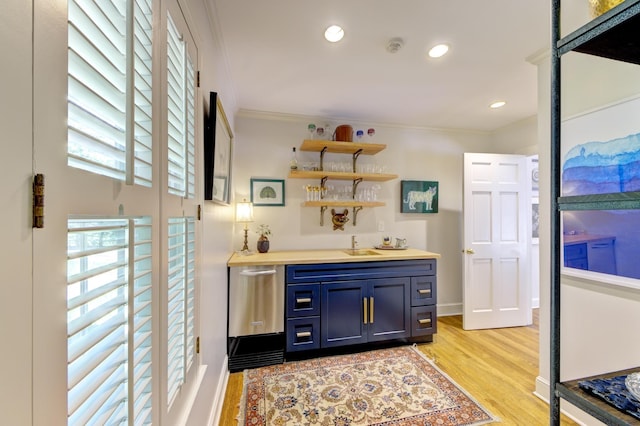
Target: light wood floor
x,y
497,367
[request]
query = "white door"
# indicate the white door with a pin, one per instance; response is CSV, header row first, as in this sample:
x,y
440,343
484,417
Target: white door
x,y
496,262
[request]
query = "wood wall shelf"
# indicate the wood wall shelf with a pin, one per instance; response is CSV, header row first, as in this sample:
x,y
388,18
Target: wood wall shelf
x,y
320,174
342,203
355,149
342,147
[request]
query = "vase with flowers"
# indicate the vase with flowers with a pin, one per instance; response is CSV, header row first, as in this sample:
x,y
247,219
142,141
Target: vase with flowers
x,y
263,240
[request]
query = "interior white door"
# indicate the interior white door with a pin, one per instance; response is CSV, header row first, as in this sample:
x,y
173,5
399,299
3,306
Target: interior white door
x,y
496,263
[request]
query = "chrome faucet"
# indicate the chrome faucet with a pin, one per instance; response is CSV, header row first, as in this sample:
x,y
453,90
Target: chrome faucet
x,y
354,243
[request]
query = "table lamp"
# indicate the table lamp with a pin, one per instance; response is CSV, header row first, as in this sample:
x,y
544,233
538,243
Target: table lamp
x,y
244,214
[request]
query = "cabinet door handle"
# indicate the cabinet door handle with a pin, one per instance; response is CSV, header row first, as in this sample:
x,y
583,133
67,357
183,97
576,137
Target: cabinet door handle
x,y
371,309
300,300
424,291
301,334
600,245
365,310
424,321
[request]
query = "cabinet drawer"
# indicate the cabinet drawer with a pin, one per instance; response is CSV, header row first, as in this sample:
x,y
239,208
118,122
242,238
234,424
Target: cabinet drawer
x,y
303,300
575,251
423,320
423,290
303,334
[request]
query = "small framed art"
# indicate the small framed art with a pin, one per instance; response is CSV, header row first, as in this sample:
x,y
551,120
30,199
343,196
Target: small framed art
x,y
419,196
267,192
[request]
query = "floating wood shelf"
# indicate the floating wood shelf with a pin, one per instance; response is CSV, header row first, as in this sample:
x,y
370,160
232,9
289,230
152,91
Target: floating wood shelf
x,y
342,147
320,174
343,203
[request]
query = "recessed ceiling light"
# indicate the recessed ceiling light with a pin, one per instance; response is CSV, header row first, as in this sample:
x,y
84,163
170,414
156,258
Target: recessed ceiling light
x,y
497,104
334,33
438,50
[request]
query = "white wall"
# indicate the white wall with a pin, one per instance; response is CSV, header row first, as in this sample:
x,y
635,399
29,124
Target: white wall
x,y
217,225
15,193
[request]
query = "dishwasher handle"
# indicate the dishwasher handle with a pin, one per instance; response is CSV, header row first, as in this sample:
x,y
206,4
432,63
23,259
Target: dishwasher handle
x,y
258,272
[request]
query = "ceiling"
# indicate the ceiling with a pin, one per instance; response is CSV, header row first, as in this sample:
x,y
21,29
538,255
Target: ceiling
x,y
280,62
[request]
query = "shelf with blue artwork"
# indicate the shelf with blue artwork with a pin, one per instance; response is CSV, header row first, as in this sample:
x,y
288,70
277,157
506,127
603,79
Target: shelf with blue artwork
x,y
595,188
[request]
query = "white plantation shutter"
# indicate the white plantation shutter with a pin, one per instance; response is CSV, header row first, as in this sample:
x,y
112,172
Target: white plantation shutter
x,y
109,98
181,115
142,134
181,303
109,321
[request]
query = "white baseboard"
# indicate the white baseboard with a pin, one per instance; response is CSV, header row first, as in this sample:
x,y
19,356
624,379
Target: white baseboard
x,y
448,309
218,400
568,409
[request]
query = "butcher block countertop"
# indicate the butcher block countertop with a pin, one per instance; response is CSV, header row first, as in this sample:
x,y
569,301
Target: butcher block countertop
x,y
299,257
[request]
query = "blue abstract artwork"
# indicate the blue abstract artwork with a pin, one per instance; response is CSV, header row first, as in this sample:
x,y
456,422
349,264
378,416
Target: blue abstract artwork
x,y
601,150
602,167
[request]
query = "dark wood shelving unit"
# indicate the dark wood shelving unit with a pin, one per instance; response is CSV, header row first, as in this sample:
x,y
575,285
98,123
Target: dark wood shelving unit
x,y
614,35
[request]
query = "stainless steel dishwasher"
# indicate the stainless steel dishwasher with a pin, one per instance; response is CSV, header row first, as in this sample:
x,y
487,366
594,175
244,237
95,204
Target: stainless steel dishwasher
x,y
256,316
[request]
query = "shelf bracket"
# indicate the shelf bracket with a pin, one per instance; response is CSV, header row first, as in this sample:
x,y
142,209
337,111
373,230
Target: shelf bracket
x,y
324,150
323,181
355,157
356,182
322,210
356,209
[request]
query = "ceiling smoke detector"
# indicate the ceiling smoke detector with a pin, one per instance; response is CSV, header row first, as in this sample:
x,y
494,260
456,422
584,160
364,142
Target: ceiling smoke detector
x,y
395,44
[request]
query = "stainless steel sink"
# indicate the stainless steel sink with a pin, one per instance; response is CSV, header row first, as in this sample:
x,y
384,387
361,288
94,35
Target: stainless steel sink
x,y
361,252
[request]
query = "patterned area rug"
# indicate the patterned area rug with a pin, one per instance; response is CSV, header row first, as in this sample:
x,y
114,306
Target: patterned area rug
x,y
397,386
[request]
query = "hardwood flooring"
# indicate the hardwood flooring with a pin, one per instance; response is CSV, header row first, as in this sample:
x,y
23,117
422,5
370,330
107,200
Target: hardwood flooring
x,y
498,367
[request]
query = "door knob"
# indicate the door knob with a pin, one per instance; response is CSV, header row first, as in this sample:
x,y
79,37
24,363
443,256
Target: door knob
x,y
469,251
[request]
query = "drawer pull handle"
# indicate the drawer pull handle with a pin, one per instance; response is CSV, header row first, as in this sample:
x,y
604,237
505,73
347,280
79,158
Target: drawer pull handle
x,y
300,300
424,321
301,334
424,291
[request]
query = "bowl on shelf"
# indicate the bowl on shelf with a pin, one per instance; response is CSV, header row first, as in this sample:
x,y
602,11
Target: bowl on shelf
x,y
633,385
598,7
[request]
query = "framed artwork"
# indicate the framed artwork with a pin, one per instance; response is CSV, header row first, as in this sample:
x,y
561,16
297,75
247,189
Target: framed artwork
x,y
418,196
218,143
267,192
535,221
601,150
601,159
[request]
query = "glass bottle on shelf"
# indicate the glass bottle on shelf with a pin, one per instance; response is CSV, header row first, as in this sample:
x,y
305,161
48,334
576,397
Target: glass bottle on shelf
x,y
293,163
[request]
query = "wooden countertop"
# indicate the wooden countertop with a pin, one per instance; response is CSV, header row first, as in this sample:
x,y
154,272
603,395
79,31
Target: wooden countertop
x,y
298,257
570,239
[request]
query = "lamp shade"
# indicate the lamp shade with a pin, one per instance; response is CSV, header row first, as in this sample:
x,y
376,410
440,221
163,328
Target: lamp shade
x,y
244,211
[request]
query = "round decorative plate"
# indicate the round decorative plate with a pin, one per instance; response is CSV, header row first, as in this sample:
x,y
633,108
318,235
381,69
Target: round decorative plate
x,y
633,385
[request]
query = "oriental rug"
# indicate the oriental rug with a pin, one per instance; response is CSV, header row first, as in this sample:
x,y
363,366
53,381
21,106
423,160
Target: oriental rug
x,y
397,386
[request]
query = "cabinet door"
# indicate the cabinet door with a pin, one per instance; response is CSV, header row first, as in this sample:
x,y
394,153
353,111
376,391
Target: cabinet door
x,y
343,313
602,256
389,309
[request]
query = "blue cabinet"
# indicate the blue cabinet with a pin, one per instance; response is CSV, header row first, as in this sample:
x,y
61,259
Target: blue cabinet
x,y
362,311
355,303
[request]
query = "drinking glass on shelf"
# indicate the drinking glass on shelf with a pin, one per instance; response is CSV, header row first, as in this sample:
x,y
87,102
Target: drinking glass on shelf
x,y
328,133
311,128
359,135
371,132
320,132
